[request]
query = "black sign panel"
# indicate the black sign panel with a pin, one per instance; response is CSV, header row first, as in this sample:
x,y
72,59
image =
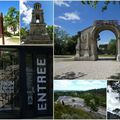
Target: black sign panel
x,y
35,82
43,84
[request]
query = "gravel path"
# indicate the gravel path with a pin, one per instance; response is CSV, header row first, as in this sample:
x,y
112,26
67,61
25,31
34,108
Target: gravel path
x,y
8,42
100,69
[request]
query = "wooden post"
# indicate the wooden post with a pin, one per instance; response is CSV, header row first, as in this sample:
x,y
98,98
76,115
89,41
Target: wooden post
x,y
2,28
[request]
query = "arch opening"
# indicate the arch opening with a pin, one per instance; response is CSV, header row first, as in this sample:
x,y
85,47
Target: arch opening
x,y
106,43
37,19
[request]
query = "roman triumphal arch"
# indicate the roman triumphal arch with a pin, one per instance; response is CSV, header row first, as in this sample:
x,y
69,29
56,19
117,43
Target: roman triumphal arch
x,y
86,48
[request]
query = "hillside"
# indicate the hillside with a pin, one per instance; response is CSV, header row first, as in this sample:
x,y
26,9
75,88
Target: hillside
x,y
98,93
80,104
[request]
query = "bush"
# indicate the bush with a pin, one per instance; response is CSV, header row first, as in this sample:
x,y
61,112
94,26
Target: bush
x,y
66,116
8,34
17,34
68,112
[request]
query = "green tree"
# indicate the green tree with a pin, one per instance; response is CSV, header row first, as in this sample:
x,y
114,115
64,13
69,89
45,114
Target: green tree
x,y
95,3
12,19
60,41
50,31
71,45
24,32
112,47
87,98
93,105
64,43
97,100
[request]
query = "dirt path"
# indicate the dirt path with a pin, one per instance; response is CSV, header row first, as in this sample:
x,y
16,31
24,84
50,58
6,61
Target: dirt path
x,y
101,69
8,41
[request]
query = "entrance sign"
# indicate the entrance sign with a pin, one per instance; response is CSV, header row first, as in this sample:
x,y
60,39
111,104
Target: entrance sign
x,y
41,84
31,92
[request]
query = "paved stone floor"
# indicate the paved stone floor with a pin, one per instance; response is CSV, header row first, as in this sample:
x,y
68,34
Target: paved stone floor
x,y
101,69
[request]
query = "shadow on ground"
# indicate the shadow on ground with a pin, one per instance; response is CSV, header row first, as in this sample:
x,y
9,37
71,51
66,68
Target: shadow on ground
x,y
108,59
69,75
116,76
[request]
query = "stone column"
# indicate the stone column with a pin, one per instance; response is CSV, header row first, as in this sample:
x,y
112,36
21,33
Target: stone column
x,y
77,56
32,20
42,17
87,46
93,48
118,49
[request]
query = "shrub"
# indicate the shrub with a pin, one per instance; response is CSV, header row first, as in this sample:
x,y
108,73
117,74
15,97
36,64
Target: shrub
x,y
17,34
8,34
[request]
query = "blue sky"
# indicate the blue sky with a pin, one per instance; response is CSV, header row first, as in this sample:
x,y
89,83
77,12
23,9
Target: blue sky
x,y
26,10
79,84
4,6
74,16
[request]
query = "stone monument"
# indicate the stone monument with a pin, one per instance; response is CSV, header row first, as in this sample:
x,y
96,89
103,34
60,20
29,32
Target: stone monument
x,y
86,48
38,32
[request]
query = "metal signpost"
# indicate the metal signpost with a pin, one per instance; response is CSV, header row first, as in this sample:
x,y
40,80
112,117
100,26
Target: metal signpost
x,y
2,28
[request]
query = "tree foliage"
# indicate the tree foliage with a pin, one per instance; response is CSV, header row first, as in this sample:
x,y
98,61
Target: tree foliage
x,y
11,19
64,43
24,32
95,3
99,95
93,98
68,112
50,31
112,47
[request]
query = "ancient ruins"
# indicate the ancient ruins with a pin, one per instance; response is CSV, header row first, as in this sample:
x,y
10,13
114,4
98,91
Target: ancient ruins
x,y
86,48
38,32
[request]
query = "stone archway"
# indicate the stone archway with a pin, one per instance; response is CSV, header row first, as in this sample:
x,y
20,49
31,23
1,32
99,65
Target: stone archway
x,y
86,48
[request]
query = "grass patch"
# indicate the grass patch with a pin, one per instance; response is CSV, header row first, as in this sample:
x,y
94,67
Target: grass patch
x,y
68,112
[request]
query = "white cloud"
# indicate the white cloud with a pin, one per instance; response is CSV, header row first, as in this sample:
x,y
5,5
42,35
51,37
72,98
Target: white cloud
x,y
73,16
22,6
61,3
79,84
57,26
26,12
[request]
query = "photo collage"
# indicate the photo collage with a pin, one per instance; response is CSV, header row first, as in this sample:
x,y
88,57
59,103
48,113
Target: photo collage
x,y
59,59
